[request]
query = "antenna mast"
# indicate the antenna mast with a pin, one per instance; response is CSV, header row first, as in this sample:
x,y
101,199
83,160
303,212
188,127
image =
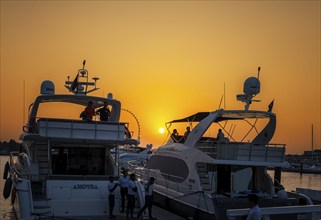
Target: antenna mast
x,y
312,142
224,97
79,87
251,89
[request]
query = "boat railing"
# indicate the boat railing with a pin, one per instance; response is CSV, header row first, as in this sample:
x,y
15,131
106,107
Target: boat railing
x,y
80,129
198,198
312,212
20,166
168,181
244,151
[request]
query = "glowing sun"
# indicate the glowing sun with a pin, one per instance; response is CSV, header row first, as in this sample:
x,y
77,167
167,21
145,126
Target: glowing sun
x,y
161,130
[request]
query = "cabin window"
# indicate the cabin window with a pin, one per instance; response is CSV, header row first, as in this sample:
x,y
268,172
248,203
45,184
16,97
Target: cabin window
x,y
173,169
78,161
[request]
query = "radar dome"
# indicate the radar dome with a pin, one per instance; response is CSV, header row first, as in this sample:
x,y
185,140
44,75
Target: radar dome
x,y
47,88
251,86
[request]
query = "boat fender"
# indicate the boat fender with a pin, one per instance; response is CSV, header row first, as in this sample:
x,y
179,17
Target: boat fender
x,y
140,194
7,188
6,171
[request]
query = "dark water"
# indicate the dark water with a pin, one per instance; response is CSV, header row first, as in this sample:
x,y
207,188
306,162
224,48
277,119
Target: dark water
x,y
290,181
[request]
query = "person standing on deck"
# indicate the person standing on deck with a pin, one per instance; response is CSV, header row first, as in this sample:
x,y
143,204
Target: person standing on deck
x,y
148,198
255,212
89,112
132,189
123,183
104,112
111,197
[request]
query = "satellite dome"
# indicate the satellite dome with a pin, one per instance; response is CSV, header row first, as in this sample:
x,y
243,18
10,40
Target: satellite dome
x,y
47,88
251,86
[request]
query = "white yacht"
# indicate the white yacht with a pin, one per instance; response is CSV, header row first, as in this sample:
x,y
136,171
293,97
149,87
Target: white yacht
x,y
135,157
63,167
203,175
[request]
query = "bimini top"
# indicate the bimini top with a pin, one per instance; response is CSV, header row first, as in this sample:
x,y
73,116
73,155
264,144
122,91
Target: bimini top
x,y
76,99
226,115
205,119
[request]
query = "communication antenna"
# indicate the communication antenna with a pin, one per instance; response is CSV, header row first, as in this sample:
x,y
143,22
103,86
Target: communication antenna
x,y
219,107
251,88
224,97
23,102
80,85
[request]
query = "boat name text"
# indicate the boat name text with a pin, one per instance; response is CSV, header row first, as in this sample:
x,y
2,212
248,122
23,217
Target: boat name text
x,y
85,186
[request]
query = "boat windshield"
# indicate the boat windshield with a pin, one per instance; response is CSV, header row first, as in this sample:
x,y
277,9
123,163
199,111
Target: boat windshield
x,y
58,110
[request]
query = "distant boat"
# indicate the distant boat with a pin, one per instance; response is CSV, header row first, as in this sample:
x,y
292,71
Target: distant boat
x,y
202,175
131,159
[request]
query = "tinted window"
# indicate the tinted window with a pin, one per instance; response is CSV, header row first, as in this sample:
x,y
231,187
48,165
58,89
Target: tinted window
x,y
172,168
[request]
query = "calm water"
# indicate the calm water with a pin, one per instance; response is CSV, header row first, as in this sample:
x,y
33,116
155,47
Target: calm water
x,y
289,180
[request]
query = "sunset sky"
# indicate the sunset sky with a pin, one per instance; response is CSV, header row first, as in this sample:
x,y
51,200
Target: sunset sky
x,y
167,59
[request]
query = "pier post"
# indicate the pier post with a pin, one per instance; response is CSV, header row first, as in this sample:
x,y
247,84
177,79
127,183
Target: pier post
x,y
277,174
301,169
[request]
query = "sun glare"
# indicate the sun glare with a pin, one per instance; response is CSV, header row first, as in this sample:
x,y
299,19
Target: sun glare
x,y
161,130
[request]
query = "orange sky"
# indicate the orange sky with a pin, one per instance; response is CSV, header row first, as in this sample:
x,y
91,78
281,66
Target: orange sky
x,y
168,59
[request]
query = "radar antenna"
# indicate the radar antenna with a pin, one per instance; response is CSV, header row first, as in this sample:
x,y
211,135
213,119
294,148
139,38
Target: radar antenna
x,y
251,88
79,86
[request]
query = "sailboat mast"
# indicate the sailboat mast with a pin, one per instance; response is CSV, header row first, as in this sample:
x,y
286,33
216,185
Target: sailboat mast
x,y
312,141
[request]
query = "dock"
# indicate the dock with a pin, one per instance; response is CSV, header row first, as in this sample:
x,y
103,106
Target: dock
x,y
158,213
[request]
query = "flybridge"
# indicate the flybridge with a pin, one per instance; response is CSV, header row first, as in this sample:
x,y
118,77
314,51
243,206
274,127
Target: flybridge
x,y
80,85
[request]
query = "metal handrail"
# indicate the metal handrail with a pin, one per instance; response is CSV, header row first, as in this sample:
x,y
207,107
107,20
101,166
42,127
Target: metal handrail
x,y
267,211
218,151
162,178
179,187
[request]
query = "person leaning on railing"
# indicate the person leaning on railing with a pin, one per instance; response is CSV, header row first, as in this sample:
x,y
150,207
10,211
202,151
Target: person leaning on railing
x,y
89,112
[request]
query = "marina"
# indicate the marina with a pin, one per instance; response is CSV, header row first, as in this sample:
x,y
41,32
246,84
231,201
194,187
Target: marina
x,y
206,110
207,176
62,168
290,181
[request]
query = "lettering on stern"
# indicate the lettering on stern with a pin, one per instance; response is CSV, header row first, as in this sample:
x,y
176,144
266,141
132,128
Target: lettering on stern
x,y
85,186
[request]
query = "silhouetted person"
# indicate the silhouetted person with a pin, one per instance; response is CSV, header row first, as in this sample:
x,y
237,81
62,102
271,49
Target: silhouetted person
x,y
174,136
188,130
148,198
104,112
255,212
280,192
220,135
132,189
89,112
123,183
111,197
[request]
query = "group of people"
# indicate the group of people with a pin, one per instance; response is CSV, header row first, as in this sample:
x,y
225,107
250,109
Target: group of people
x,y
89,112
128,191
176,138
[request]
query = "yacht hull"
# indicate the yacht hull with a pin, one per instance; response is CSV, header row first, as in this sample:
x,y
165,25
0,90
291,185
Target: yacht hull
x,y
181,208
